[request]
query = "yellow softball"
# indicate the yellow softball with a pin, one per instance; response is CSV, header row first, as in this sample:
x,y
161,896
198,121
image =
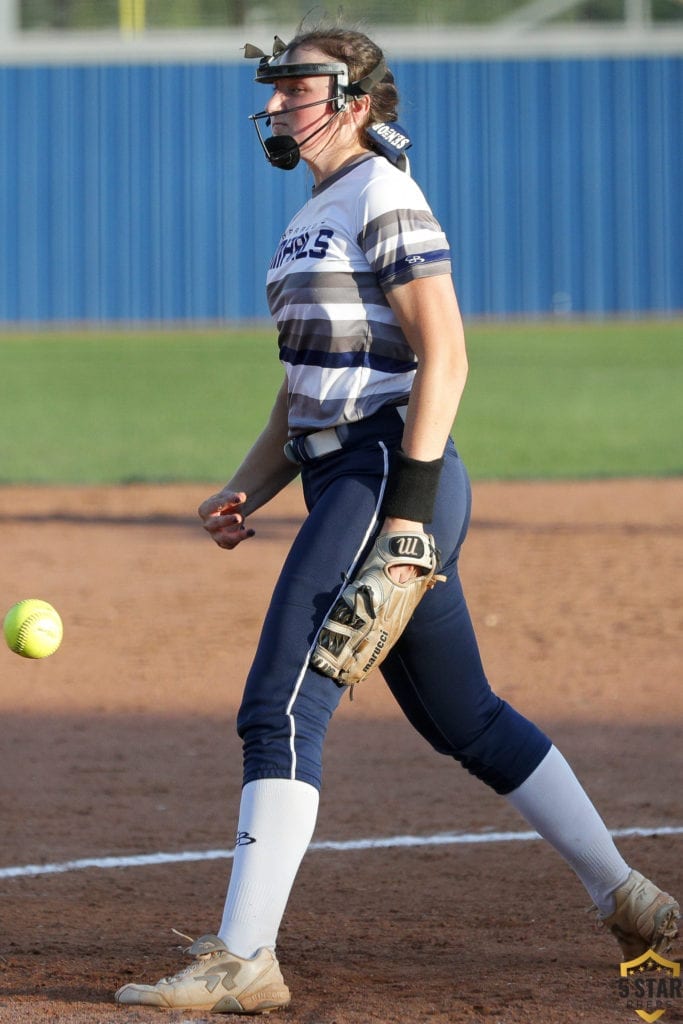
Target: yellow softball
x,y
33,629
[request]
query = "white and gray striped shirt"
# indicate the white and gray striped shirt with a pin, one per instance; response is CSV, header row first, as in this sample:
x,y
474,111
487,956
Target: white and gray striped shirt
x,y
366,229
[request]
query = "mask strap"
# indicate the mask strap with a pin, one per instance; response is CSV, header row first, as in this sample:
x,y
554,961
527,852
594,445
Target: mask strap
x,y
365,85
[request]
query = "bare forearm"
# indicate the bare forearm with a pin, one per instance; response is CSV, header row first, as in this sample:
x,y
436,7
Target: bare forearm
x,y
263,472
433,406
428,313
261,488
265,469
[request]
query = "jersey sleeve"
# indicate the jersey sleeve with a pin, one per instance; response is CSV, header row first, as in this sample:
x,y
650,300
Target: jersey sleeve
x,y
398,233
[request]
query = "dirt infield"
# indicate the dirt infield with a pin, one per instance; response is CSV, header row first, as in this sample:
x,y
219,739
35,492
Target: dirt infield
x,y
123,744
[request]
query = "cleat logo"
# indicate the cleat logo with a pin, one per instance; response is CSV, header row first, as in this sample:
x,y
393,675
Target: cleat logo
x,y
650,984
212,981
225,977
244,839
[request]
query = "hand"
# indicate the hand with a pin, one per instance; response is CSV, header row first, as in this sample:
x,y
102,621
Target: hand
x,y
402,573
223,519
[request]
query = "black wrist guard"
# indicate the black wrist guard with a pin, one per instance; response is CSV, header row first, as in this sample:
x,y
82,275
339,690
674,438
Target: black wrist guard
x,y
411,488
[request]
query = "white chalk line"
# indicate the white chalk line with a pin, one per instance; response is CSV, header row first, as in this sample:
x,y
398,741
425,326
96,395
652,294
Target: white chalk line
x,y
386,843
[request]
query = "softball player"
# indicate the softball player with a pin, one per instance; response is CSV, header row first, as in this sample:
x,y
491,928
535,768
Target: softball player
x,y
372,344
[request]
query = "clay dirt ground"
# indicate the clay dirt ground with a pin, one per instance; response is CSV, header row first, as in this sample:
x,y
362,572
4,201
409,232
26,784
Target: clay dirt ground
x,y
123,743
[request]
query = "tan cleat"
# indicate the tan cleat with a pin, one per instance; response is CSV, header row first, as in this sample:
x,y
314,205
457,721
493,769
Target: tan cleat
x,y
645,917
217,981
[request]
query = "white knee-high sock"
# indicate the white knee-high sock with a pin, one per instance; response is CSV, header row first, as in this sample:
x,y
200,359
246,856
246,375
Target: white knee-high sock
x,y
276,821
553,801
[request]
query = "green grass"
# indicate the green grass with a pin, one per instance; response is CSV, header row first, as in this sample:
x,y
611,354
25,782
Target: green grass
x,y
575,400
124,407
569,400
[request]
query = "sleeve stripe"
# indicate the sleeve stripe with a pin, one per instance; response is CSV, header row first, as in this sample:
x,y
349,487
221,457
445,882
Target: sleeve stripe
x,y
410,263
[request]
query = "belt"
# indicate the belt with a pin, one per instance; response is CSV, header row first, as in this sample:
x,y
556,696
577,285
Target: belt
x,y
306,447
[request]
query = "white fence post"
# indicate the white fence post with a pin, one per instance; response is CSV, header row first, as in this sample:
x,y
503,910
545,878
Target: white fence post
x,y
638,13
9,17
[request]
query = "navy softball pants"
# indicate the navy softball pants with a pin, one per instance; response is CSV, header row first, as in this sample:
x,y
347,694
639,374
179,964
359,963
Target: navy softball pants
x,y
435,670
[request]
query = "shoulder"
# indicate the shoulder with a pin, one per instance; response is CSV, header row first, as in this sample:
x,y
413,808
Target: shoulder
x,y
384,187
390,205
396,230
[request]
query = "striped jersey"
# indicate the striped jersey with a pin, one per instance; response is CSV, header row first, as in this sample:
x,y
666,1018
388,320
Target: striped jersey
x,y
366,229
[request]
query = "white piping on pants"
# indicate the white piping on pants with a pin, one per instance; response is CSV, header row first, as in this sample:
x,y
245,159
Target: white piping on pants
x,y
297,685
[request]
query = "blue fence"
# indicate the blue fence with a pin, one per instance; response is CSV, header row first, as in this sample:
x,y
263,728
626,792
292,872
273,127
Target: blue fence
x,y
139,192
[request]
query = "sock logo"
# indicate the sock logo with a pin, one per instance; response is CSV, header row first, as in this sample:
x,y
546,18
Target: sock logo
x,y
244,839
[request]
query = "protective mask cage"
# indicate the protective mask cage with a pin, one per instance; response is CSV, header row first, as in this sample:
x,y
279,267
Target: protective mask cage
x,y
283,150
272,67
